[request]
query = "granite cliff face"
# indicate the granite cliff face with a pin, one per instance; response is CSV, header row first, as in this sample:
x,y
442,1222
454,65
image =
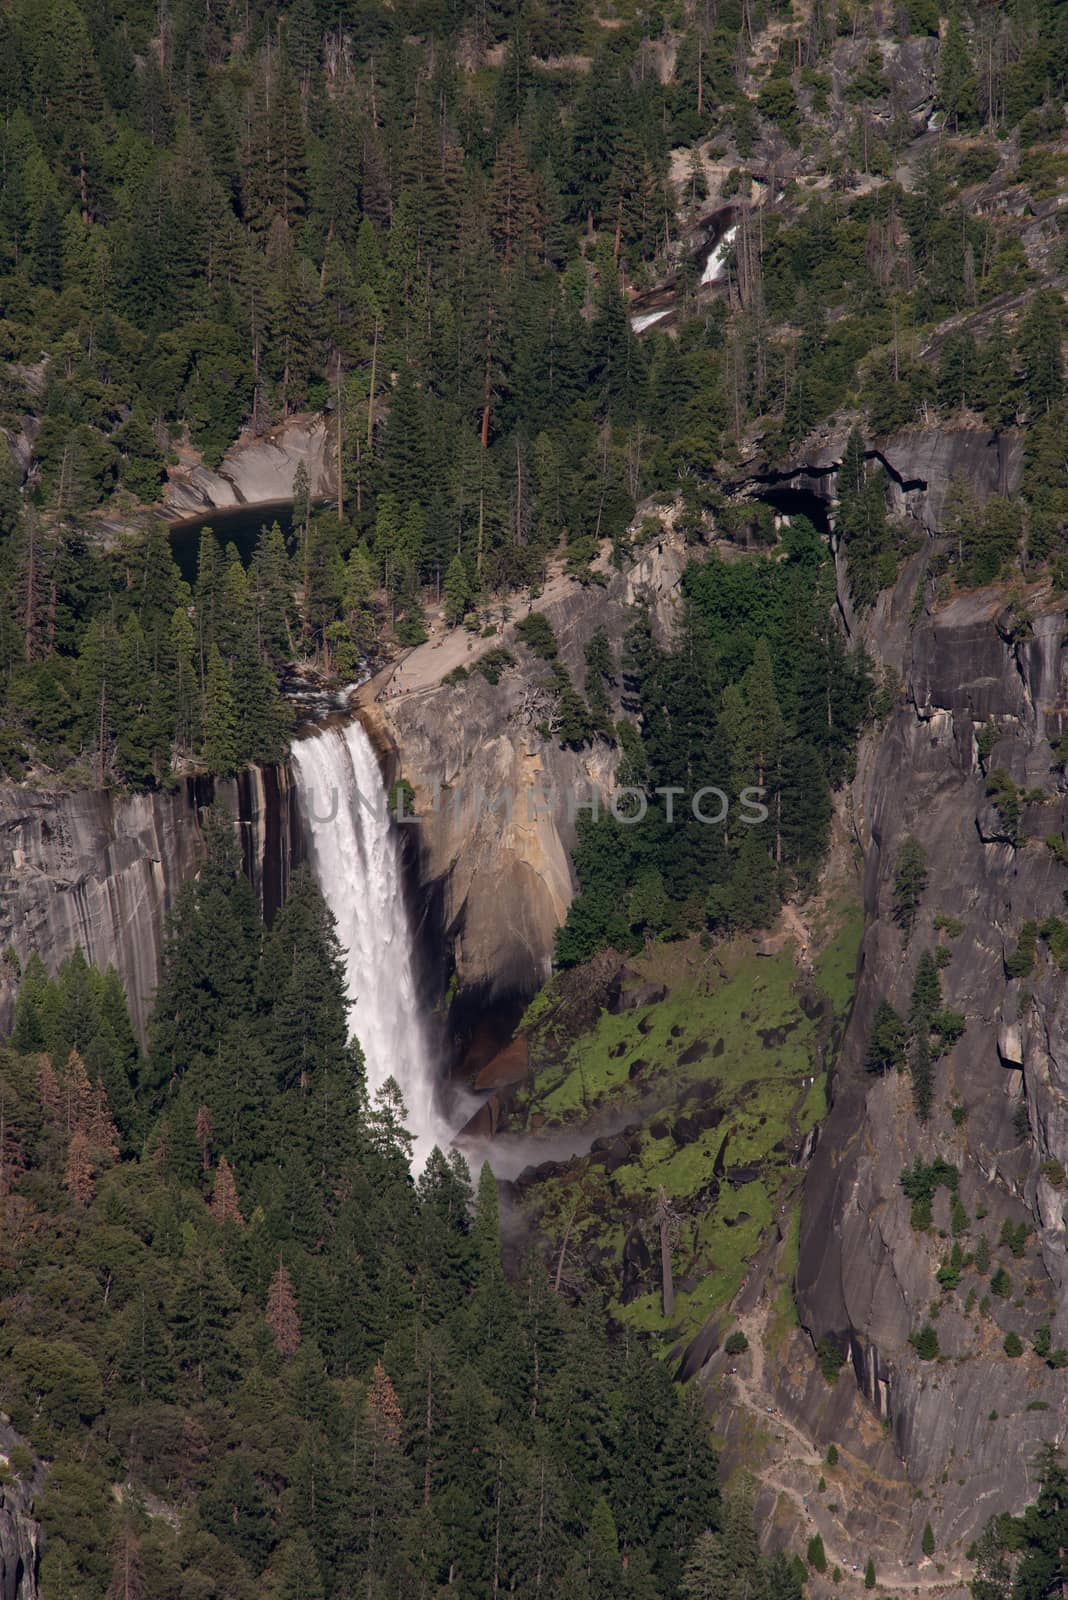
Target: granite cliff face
x,y
101,870
256,470
497,803
920,464
978,675
20,1532
20,1537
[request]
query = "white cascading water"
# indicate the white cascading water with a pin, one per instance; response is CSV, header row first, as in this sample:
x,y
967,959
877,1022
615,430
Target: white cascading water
x,y
354,853
716,264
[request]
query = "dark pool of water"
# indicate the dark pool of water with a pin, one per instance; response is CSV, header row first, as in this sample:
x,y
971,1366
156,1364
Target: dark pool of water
x,y
237,525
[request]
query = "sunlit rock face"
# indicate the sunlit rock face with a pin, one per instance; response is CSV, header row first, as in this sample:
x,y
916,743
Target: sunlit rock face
x,y
967,1426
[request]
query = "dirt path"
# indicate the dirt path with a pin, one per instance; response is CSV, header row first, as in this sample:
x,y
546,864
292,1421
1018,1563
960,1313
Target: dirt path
x,y
792,1466
796,924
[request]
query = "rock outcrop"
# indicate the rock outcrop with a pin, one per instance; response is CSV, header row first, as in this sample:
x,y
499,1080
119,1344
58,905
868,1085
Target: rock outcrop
x,y
983,687
20,1532
920,464
256,471
497,802
100,870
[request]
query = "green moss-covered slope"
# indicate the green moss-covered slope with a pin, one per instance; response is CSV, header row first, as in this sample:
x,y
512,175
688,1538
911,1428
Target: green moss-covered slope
x,y
708,1094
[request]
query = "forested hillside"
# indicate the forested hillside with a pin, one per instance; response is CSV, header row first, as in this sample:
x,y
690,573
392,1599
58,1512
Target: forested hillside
x,y
242,1350
258,1358
427,220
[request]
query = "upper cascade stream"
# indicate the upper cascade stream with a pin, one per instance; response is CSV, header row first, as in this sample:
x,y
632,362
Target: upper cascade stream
x,y
354,853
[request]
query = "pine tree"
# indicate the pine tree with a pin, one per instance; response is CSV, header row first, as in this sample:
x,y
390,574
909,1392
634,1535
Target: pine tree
x,y
77,1096
359,599
46,247
887,1041
225,1206
281,1315
456,591
997,381
927,1543
294,1571
207,978
910,881
485,1231
384,1487
220,717
922,1073
816,1555
205,1135
1040,351
954,77
127,1572
78,1175
604,1562
383,1408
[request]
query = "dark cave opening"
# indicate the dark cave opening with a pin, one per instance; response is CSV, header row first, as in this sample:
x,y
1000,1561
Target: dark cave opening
x,y
791,500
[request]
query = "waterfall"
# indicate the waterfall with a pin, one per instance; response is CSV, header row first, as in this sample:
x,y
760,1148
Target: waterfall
x,y
354,853
716,264
647,318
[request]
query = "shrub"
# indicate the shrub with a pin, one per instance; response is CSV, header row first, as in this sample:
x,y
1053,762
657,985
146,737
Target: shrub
x,y
1001,1284
869,1574
927,1544
493,664
401,799
982,1254
1020,963
922,1180
886,1044
1040,1344
948,1025
1012,1344
832,1455
830,1358
737,1343
817,1556
1005,796
949,1272
925,1343
985,740
536,632
1055,933
952,927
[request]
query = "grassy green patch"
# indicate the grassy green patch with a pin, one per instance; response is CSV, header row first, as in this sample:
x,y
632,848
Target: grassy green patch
x,y
836,966
729,1072
746,1027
